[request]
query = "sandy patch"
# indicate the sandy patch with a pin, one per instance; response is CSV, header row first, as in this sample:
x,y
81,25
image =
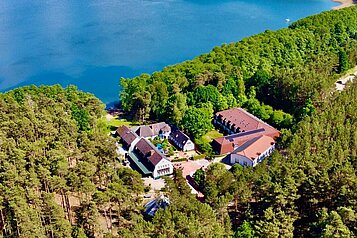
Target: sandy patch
x,y
344,3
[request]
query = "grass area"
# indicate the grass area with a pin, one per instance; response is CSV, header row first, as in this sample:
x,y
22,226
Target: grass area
x,y
115,122
211,135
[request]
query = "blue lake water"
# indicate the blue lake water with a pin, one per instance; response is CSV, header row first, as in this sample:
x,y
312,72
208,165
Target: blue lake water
x,y
93,43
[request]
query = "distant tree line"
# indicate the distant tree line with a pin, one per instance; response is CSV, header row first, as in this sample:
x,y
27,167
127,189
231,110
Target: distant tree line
x,y
276,69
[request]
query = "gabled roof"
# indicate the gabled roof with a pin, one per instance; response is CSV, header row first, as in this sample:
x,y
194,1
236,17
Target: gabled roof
x,y
149,151
180,137
129,137
153,129
126,134
161,126
245,121
144,131
255,147
122,130
240,138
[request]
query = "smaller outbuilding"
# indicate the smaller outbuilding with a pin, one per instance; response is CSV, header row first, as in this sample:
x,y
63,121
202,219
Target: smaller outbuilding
x,y
161,202
160,129
181,140
127,137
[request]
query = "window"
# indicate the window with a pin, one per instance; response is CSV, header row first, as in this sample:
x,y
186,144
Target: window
x,y
245,163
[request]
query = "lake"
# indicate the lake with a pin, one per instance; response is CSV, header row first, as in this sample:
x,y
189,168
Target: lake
x,y
93,43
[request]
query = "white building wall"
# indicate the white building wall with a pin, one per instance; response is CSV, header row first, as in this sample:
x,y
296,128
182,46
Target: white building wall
x,y
242,160
166,135
189,146
163,164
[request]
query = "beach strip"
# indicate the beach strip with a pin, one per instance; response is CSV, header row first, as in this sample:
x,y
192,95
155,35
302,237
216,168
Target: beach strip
x,y
345,3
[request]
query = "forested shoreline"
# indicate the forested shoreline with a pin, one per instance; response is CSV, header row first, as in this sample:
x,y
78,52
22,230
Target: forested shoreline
x,y
59,175
274,75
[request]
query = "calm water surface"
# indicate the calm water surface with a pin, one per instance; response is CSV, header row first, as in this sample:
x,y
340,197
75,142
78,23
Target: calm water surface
x,y
93,43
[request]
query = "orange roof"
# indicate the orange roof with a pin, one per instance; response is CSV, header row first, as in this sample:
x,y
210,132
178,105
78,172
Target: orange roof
x,y
255,147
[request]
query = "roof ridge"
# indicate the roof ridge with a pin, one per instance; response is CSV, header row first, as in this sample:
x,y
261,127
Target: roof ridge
x,y
254,117
154,148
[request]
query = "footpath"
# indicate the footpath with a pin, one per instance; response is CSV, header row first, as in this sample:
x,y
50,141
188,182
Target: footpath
x,y
341,83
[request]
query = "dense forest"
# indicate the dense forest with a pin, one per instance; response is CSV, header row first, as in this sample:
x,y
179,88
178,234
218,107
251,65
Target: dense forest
x,y
59,175
287,70
309,192
58,172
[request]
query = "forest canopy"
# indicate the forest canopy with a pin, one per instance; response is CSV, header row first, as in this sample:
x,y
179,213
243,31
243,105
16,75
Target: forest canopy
x,y
58,170
273,74
59,175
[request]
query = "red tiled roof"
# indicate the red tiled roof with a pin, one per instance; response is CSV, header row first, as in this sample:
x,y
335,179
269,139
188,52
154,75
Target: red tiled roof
x,y
122,130
220,140
252,126
149,151
126,134
227,144
240,138
155,158
153,129
246,121
255,147
161,126
144,131
129,137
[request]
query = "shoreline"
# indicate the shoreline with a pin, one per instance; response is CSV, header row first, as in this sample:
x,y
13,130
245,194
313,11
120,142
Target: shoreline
x,y
344,3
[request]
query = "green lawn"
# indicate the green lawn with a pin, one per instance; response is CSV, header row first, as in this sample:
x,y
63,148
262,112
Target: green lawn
x,y
116,122
211,135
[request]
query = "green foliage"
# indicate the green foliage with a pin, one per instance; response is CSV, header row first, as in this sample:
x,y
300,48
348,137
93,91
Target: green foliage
x,y
81,116
199,178
307,189
197,121
308,108
179,160
245,231
334,227
78,232
171,151
186,217
343,64
54,155
198,157
285,67
204,146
